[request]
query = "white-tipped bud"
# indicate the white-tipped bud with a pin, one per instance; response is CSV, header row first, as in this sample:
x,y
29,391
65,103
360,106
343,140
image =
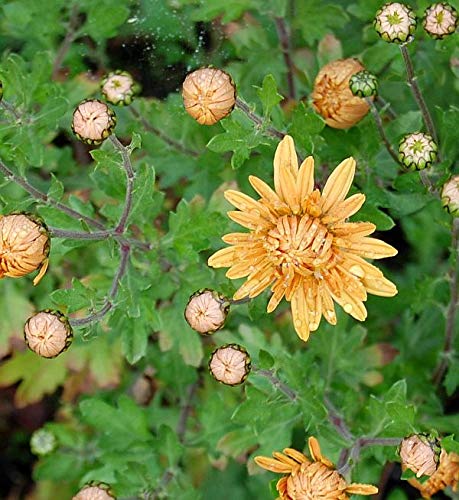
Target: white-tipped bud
x,y
450,196
440,20
206,311
230,364
93,121
417,151
395,22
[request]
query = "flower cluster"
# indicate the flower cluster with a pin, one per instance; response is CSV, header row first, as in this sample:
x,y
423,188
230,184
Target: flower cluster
x,y
310,478
301,246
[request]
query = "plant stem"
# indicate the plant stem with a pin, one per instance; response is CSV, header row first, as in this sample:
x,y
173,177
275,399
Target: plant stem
x,y
121,227
278,384
284,38
387,107
187,408
79,235
42,197
381,131
171,142
453,276
67,42
350,456
412,82
257,120
108,304
337,421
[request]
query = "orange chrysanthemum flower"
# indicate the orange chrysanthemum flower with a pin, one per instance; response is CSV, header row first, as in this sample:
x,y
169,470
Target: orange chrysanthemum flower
x,y
310,479
447,474
301,246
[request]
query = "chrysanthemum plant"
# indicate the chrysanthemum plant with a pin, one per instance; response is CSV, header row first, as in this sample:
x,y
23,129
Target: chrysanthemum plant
x,y
165,363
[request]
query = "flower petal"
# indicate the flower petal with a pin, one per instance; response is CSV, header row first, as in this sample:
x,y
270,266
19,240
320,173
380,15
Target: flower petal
x,y
267,194
300,314
379,286
305,179
257,281
278,290
344,209
370,248
351,305
361,489
353,229
247,204
222,258
338,184
249,220
273,465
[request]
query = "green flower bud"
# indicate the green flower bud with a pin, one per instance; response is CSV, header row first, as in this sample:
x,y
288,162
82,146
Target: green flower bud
x,y
230,364
417,151
450,196
440,20
363,84
93,121
43,442
395,22
206,311
119,88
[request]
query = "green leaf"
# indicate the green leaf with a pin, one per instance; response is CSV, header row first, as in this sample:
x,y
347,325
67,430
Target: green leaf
x,y
305,127
75,298
372,214
452,377
268,94
449,444
134,340
56,190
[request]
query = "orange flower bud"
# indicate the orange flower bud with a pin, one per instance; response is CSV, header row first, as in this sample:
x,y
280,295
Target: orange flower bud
x,y
94,492
206,311
24,246
48,333
420,454
230,364
332,98
209,95
93,121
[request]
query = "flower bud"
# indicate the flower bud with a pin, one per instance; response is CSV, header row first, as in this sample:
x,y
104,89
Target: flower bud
x,y
395,22
209,94
94,492
417,151
43,442
206,311
24,246
48,333
119,88
440,20
420,453
363,84
93,121
450,196
230,364
332,98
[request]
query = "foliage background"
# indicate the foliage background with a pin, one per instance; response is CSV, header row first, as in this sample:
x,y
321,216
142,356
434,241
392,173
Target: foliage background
x,y
188,437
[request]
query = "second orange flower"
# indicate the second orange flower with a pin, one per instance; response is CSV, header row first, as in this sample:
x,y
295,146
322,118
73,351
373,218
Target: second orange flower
x,y
301,246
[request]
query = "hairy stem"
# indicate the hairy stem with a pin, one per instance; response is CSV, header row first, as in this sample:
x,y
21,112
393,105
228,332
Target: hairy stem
x,y
79,235
387,107
284,38
122,223
187,408
257,120
453,277
67,42
278,384
108,304
412,82
337,420
381,131
350,456
168,140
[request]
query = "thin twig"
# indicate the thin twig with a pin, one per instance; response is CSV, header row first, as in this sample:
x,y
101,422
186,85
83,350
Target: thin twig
x,y
186,410
351,455
284,38
381,131
67,42
108,304
453,277
79,235
42,197
412,82
168,140
387,108
122,223
257,120
278,384
337,421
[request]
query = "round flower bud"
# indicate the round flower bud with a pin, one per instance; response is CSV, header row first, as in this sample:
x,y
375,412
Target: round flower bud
x,y
94,492
450,196
395,22
230,364
440,20
24,246
43,442
363,84
209,94
119,88
420,453
417,151
332,98
93,121
206,311
48,333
